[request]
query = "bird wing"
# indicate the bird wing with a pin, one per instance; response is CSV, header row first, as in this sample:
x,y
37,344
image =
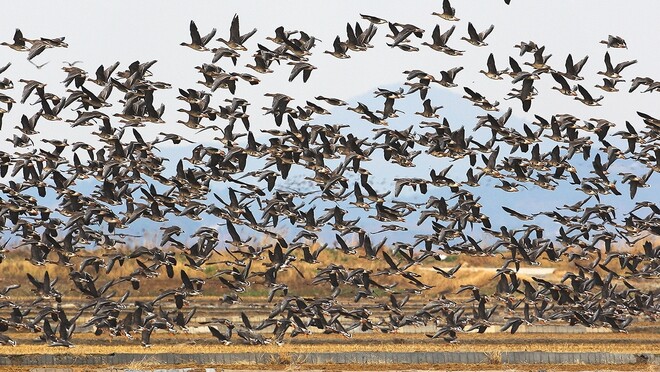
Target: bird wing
x,y
487,32
446,8
585,93
194,34
234,34
570,67
619,67
491,64
472,32
561,80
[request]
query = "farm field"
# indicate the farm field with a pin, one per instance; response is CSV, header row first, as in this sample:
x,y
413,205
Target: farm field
x,y
87,343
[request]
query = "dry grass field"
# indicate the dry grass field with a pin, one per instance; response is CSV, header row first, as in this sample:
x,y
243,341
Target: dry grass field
x,y
15,266
475,270
490,344
87,343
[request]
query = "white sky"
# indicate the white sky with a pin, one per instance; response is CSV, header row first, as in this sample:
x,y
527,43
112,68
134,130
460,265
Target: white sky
x,y
108,31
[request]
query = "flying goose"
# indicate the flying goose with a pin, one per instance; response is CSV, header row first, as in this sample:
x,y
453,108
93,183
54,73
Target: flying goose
x,y
614,72
564,88
298,67
540,61
18,42
477,39
524,47
198,42
429,110
586,98
373,19
609,85
448,77
448,13
440,41
236,40
572,70
339,49
614,42
493,72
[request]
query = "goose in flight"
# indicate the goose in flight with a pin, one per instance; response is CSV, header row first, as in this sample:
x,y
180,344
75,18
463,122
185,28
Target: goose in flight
x,y
18,42
586,98
448,13
440,41
573,69
198,42
236,40
477,39
614,72
493,72
615,42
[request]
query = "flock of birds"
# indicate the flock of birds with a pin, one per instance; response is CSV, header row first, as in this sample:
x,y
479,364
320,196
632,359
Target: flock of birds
x,y
133,183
